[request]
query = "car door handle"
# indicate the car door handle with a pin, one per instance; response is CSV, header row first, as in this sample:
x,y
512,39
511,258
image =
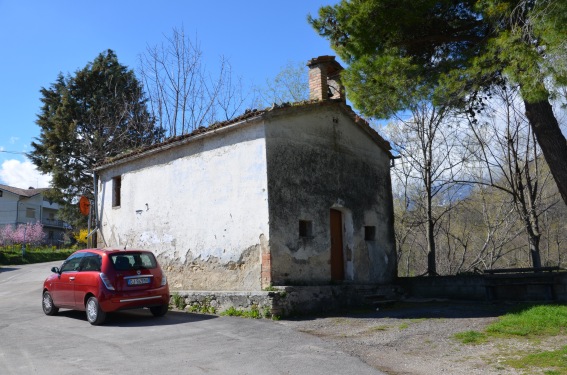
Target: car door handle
x,y
72,278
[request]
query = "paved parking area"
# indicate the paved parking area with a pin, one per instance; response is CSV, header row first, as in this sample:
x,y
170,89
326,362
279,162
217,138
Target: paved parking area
x,y
134,342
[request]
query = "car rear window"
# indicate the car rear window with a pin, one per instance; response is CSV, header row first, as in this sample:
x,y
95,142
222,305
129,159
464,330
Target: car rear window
x,y
133,260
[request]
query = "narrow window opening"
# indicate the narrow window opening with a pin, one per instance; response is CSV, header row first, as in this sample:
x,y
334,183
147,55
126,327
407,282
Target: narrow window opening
x,y
305,228
116,187
369,233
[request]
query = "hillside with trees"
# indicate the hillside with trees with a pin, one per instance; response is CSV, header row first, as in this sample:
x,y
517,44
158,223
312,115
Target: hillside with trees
x,y
475,90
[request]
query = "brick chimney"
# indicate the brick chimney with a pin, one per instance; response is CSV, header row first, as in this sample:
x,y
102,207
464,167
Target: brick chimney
x,y
324,79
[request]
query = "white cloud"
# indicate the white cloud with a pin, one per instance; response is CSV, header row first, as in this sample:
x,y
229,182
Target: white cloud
x,y
13,140
22,175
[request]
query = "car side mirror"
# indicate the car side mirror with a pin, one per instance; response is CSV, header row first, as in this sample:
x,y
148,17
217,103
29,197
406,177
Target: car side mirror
x,y
55,270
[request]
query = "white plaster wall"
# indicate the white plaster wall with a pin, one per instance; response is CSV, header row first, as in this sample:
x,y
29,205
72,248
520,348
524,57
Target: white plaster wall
x,y
206,200
8,208
35,202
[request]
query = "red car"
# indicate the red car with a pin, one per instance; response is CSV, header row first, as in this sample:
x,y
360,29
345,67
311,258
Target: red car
x,y
101,281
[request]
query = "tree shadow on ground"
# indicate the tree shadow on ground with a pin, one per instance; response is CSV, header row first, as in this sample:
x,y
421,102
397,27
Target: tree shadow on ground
x,y
7,269
422,310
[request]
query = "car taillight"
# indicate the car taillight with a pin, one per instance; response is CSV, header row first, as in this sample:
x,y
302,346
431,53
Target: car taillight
x,y
106,281
163,279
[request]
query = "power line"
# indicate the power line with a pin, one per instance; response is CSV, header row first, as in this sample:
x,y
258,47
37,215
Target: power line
x,y
14,152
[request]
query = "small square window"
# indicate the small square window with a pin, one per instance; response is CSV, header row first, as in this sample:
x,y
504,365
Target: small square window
x,y
305,228
369,233
116,187
30,213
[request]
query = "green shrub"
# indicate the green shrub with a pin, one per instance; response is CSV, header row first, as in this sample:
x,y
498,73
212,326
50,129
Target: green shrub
x,y
178,301
13,255
204,307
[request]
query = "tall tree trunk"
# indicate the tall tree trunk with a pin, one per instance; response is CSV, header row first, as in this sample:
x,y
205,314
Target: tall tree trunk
x,y
431,257
551,140
430,224
534,250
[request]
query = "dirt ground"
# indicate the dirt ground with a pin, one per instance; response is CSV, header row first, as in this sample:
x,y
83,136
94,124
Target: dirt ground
x,y
417,337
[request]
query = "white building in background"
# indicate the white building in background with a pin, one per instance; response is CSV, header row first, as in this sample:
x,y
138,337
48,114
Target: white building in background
x,y
298,194
21,206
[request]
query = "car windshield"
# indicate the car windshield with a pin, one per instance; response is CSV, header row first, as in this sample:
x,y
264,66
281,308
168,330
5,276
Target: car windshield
x,y
133,260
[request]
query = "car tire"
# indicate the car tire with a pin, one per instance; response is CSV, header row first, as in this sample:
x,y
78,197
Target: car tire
x,y
159,310
47,304
95,315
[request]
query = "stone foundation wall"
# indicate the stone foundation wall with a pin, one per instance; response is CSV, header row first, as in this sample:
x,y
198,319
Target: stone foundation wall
x,y
469,287
288,301
515,287
285,301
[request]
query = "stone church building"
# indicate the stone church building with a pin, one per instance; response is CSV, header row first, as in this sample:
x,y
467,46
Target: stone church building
x,y
297,194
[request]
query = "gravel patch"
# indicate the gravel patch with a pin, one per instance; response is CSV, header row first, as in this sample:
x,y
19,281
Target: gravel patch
x,y
417,337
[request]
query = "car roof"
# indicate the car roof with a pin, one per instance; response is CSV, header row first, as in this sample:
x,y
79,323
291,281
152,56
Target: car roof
x,y
109,251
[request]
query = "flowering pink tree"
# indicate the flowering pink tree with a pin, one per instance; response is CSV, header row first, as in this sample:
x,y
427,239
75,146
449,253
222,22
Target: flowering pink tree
x,y
19,234
23,234
6,234
35,233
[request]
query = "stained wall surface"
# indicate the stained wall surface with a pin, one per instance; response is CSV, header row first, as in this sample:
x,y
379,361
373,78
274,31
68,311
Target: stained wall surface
x,y
320,160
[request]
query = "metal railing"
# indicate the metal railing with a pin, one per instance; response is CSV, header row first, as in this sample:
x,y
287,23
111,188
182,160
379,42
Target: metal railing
x,y
54,223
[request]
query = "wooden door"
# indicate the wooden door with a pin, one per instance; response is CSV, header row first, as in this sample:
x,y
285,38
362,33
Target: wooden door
x,y
337,260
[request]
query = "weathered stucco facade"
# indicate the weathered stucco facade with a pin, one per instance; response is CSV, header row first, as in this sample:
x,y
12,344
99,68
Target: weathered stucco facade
x,y
293,195
320,160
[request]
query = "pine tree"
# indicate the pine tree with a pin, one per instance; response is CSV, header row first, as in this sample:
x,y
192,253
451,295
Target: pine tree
x,y
447,51
98,112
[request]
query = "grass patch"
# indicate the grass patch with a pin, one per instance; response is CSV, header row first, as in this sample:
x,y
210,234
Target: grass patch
x,y
253,313
552,362
533,323
543,320
13,256
471,337
378,328
403,326
270,288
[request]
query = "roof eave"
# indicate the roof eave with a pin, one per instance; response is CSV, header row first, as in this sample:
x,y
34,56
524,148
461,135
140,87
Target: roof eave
x,y
181,142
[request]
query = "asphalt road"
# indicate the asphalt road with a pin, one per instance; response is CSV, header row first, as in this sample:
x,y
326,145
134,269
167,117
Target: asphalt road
x,y
134,342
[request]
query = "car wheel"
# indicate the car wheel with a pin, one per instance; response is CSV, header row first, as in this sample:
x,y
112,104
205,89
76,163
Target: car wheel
x,y
47,304
95,315
159,310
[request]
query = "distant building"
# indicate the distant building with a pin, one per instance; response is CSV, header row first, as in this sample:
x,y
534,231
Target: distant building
x,y
21,206
297,194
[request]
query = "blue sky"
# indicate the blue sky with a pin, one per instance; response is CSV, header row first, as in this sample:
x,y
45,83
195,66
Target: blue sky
x,y
41,38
